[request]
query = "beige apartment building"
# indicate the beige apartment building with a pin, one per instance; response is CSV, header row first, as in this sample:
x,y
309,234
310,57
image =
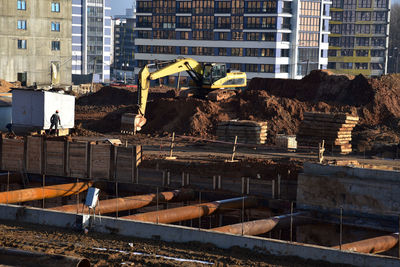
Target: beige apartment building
x,y
35,41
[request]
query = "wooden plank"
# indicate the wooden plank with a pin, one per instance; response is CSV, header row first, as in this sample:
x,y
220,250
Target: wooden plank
x,y
124,164
55,158
34,154
100,159
77,159
12,154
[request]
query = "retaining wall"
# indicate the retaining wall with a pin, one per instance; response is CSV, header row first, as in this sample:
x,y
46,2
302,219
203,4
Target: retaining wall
x,y
37,155
172,233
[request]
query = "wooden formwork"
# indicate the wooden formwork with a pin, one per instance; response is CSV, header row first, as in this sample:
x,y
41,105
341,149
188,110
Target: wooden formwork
x,y
74,159
13,154
34,154
55,158
78,158
100,162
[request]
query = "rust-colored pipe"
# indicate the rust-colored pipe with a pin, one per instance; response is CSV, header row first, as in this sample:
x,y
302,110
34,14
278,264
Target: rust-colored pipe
x,y
372,245
15,257
193,212
130,203
259,227
38,193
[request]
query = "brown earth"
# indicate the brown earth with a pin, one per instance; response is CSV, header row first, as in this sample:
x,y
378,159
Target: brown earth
x,y
281,103
5,86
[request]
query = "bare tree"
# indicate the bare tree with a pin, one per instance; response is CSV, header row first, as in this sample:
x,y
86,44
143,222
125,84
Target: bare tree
x,y
394,39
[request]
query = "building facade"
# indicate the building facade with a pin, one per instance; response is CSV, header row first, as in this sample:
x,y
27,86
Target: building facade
x,y
91,38
124,48
359,37
272,39
35,41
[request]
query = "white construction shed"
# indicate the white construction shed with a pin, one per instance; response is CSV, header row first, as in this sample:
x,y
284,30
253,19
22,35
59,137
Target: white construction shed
x,y
32,110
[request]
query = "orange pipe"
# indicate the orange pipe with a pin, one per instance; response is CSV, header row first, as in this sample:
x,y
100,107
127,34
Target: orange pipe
x,y
38,193
130,203
262,226
372,245
192,212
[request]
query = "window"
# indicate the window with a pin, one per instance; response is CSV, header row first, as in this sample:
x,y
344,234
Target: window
x,y
55,26
21,44
362,66
21,24
362,53
332,53
284,68
347,65
347,53
21,5
267,68
331,65
55,7
377,66
377,53
55,45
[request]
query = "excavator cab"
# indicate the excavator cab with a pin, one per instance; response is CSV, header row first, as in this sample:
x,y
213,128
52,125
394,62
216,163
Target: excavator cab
x,y
213,72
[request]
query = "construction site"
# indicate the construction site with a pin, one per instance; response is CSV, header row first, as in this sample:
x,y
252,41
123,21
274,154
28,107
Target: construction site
x,y
283,173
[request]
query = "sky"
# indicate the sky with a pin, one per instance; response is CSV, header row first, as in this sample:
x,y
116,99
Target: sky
x,y
118,6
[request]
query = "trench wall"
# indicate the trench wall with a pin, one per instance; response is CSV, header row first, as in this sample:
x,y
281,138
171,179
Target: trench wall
x,y
358,190
37,155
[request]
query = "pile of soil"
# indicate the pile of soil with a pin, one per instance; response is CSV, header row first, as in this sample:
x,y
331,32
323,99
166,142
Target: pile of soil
x,y
280,102
5,86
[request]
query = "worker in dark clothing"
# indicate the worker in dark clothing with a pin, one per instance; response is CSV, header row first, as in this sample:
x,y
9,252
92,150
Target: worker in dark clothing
x,y
55,121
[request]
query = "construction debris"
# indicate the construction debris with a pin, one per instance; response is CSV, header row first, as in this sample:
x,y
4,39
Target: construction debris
x,y
334,129
249,132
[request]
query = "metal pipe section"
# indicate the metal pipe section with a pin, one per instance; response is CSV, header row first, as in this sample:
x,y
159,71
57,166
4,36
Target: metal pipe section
x,y
130,203
38,193
263,226
372,245
194,211
15,257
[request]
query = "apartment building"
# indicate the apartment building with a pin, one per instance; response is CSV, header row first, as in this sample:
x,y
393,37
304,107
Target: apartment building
x,y
35,41
359,37
91,38
124,48
271,39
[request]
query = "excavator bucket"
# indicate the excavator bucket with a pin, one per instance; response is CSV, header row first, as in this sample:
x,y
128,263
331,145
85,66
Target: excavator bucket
x,y
132,123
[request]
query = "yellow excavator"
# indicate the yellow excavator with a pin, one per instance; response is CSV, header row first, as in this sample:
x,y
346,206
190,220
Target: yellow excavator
x,y
209,78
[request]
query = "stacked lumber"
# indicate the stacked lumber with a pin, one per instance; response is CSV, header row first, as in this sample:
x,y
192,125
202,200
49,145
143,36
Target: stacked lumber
x,y
335,129
249,132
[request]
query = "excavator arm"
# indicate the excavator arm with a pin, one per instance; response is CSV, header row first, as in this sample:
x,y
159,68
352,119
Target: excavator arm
x,y
193,67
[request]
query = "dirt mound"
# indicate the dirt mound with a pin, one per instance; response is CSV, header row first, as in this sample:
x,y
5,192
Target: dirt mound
x,y
319,86
5,86
109,96
281,103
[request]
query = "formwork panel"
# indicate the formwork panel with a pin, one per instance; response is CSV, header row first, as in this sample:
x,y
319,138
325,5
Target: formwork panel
x,y
77,159
34,155
12,155
55,158
100,158
125,164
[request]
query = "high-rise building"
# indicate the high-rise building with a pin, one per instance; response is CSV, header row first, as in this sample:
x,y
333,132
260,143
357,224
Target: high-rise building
x,y
272,39
359,37
35,41
124,48
91,38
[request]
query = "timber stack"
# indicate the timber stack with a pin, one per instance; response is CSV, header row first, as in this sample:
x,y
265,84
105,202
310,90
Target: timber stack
x,y
335,129
249,132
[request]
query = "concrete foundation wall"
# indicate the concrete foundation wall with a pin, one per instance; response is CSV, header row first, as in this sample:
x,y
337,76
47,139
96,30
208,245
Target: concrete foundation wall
x,y
171,233
355,189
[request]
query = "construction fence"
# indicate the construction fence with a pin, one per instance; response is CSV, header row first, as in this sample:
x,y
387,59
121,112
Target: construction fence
x,y
37,155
